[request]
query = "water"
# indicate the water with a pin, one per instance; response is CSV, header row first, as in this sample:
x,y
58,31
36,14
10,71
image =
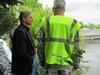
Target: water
x,y
93,56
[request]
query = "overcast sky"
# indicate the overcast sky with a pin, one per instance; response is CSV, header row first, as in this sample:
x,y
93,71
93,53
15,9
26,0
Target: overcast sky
x,y
87,11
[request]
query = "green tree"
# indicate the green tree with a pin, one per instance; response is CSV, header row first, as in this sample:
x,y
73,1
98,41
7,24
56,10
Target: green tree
x,y
7,18
7,3
10,17
91,26
38,13
97,26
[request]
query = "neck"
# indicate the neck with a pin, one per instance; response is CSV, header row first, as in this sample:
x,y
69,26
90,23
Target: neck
x,y
25,24
61,13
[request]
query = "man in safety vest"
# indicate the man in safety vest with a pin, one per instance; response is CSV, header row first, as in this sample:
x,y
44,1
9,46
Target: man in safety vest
x,y
59,34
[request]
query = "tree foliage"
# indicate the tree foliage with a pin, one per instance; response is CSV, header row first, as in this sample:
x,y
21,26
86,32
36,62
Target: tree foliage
x,y
38,13
6,21
90,26
10,17
7,3
98,27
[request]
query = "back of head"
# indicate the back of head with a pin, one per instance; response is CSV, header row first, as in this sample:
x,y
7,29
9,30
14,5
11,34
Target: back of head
x,y
59,5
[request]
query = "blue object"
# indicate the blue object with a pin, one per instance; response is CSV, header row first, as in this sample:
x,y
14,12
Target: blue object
x,y
36,66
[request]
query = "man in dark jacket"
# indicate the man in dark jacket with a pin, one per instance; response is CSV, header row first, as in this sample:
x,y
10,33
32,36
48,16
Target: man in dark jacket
x,y
22,46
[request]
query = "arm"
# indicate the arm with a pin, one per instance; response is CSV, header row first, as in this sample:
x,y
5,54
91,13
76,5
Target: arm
x,y
41,36
76,48
76,41
76,38
41,46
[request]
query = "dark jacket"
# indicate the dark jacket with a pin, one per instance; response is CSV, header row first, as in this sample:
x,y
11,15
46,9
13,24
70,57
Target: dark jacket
x,y
22,50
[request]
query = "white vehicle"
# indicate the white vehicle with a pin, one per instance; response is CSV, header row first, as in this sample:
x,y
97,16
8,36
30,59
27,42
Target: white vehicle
x,y
3,45
5,58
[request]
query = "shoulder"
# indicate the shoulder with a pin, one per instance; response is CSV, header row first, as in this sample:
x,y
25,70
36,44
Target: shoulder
x,y
73,19
20,30
70,18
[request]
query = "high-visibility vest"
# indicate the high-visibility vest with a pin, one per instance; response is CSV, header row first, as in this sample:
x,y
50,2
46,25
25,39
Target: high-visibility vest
x,y
59,34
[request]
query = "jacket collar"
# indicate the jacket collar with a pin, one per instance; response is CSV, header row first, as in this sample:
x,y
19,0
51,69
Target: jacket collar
x,y
25,27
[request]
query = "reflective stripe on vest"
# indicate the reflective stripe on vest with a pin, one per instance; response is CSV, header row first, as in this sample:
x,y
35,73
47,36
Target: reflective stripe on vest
x,y
66,41
73,24
48,25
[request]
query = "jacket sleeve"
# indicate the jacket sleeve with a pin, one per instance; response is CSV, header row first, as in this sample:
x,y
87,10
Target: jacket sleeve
x,y
21,46
41,46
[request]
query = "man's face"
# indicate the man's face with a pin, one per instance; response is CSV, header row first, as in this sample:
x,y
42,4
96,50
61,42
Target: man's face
x,y
28,20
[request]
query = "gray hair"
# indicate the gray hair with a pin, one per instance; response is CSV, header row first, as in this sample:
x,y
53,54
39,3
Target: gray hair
x,y
59,4
24,14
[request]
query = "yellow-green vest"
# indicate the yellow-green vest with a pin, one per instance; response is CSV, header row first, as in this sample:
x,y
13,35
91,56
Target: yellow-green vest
x,y
58,30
